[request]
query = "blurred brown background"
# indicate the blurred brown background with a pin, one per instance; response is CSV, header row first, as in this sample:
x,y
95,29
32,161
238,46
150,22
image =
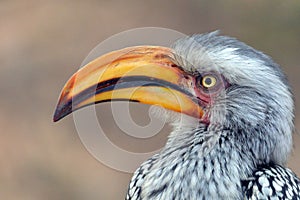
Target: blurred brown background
x,y
43,42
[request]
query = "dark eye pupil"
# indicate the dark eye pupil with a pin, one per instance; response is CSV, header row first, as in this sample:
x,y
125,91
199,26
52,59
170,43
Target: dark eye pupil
x,y
208,81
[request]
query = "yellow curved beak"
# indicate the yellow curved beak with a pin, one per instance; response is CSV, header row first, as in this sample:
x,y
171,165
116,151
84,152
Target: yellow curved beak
x,y
145,74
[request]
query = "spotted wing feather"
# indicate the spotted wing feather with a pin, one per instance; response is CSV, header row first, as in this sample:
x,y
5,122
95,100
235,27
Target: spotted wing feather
x,y
272,182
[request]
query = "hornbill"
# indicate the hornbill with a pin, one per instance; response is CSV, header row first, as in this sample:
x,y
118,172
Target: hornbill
x,y
231,108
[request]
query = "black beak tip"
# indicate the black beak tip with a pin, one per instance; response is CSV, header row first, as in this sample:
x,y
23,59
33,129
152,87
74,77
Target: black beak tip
x,y
57,115
61,111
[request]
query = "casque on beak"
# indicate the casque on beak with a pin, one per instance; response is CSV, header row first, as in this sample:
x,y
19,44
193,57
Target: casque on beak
x,y
145,74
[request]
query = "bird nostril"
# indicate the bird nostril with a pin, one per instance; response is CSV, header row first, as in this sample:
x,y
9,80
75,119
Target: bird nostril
x,y
174,65
186,76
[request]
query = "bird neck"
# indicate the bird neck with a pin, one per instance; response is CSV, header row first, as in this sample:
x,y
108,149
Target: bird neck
x,y
198,164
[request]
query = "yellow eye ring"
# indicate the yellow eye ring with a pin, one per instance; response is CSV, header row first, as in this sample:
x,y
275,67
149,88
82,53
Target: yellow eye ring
x,y
209,81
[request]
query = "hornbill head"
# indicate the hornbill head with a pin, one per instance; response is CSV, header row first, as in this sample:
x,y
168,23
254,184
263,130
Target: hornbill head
x,y
226,87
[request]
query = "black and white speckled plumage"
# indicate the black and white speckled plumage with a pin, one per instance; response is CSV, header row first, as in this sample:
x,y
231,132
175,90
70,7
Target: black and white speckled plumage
x,y
272,182
250,126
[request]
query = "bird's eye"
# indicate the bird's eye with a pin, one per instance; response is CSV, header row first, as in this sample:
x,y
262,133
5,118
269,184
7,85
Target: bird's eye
x,y
208,81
